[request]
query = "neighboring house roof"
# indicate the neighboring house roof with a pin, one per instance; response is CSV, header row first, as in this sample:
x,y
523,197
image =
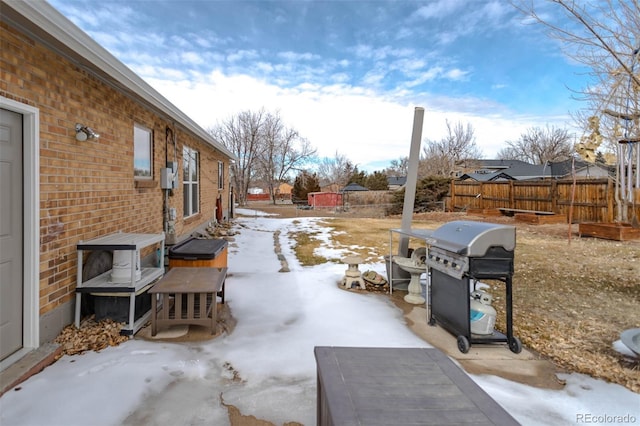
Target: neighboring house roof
x,y
500,177
354,187
396,180
563,169
519,171
45,24
526,171
487,165
484,177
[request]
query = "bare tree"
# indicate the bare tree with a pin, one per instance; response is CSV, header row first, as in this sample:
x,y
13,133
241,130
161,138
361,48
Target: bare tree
x,y
283,151
241,134
399,167
604,36
335,171
539,145
265,147
443,157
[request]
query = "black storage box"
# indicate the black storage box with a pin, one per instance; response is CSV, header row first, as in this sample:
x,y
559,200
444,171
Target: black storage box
x,y
195,252
117,307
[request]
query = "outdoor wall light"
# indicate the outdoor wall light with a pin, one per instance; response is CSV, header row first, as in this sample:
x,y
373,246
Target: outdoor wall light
x,y
83,133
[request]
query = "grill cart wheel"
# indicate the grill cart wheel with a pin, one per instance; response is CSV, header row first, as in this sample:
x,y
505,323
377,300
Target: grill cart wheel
x,y
515,345
463,344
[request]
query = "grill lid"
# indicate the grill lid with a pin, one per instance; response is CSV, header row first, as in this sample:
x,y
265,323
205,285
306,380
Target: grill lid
x,y
473,239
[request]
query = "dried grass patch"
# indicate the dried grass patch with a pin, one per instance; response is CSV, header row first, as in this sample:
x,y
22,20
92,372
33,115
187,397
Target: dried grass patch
x,y
305,248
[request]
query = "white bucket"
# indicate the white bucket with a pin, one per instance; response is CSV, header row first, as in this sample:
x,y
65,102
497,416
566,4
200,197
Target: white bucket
x,y
121,270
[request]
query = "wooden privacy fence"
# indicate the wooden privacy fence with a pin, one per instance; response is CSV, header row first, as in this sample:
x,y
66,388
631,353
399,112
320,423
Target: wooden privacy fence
x,y
593,201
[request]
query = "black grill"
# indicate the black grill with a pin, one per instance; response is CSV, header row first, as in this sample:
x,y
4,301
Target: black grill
x,y
459,253
474,249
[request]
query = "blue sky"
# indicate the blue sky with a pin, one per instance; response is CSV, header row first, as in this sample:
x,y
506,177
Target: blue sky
x,y
346,74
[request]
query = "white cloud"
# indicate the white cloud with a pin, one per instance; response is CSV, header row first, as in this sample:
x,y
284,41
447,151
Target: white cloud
x,y
380,53
373,78
456,74
242,55
165,73
352,88
340,77
422,77
496,11
265,67
364,126
439,9
409,64
193,58
203,42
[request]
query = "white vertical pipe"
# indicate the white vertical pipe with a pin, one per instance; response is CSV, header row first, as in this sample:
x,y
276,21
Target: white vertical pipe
x,y
412,181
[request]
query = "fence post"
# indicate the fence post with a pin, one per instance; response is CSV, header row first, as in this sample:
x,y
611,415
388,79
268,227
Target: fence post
x,y
511,196
554,196
610,201
453,195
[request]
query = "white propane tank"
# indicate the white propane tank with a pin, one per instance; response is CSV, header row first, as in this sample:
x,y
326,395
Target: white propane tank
x,y
121,270
482,315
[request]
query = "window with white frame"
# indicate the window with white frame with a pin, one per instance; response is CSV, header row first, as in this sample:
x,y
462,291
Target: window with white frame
x,y
191,187
220,175
142,152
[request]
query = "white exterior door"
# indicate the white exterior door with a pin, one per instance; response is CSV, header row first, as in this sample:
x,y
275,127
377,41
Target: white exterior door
x,y
11,233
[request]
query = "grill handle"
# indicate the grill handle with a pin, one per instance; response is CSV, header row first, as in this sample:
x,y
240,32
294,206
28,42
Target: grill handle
x,y
452,247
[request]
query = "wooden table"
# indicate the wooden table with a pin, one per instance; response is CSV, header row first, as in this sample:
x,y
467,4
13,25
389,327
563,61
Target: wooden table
x,y
399,386
187,296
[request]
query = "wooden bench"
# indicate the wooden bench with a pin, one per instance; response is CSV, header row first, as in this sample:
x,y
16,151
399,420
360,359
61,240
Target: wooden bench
x,y
187,296
534,217
511,212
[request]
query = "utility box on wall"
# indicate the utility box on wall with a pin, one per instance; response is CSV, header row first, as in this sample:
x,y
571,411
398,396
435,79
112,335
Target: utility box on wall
x,y
167,180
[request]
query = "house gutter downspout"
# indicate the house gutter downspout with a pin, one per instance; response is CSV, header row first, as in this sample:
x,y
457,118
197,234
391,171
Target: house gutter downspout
x,y
168,216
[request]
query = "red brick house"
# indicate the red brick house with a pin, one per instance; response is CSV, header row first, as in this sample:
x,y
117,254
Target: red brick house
x,y
61,183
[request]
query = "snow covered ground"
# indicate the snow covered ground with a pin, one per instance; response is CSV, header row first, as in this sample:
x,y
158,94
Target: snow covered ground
x,y
280,318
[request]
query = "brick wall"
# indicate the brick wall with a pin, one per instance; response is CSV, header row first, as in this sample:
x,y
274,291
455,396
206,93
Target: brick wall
x,y
87,189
